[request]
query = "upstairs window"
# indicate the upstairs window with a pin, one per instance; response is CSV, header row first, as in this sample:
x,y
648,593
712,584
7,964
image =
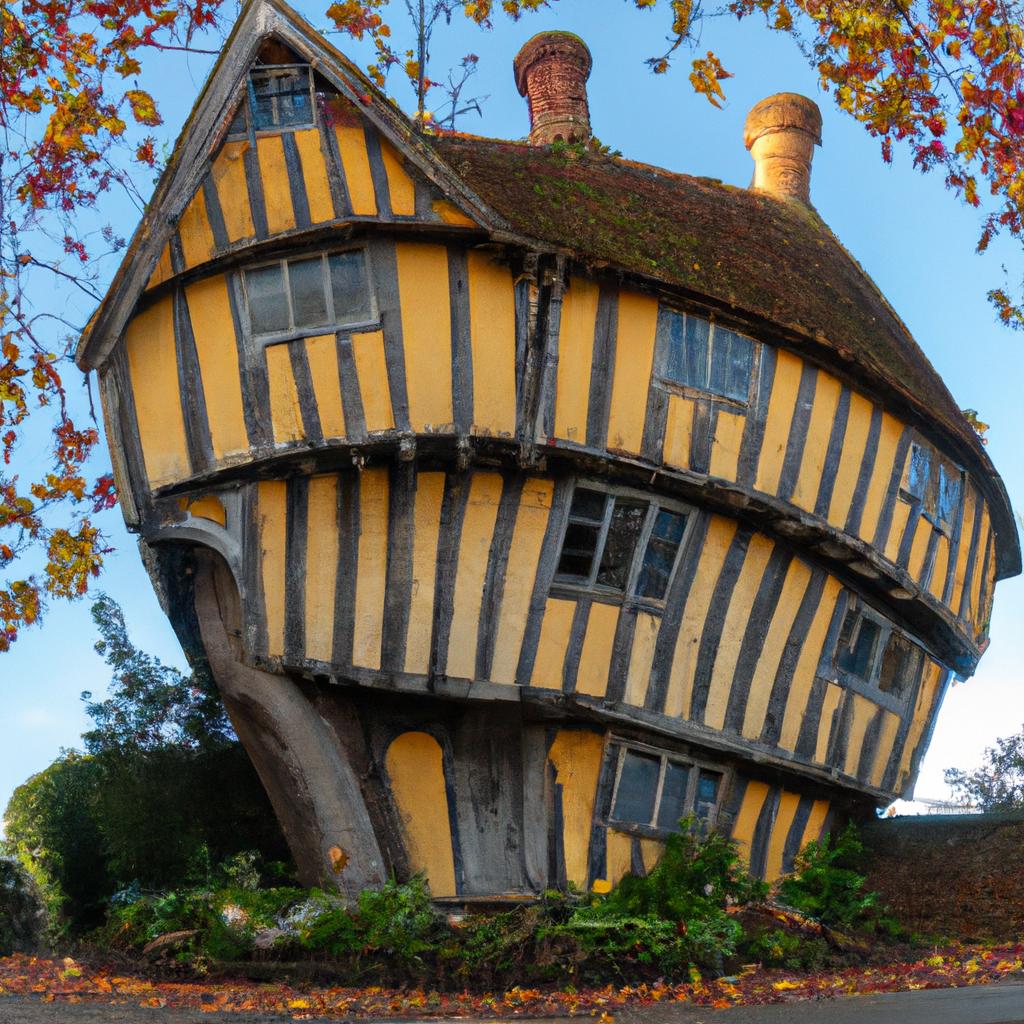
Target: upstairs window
x,y
620,544
298,296
654,790
278,97
870,653
709,357
934,484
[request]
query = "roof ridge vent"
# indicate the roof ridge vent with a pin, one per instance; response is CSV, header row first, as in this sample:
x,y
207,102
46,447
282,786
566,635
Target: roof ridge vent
x,y
781,133
551,71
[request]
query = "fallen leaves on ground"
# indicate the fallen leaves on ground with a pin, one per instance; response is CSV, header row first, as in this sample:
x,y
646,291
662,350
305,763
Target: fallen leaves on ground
x,y
70,981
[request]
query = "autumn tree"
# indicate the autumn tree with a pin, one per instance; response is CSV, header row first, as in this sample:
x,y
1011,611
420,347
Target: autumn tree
x,y
940,78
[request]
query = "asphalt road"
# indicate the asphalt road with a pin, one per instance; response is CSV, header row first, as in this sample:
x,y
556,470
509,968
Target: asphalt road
x,y
984,1004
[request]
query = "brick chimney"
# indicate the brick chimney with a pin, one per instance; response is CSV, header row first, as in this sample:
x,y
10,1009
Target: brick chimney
x,y
551,72
781,133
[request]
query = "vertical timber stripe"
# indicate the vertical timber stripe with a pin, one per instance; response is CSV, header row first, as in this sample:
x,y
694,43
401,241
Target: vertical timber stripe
x,y
378,174
348,565
252,565
798,432
476,536
884,456
576,353
776,646
461,343
175,252
655,416
956,540
296,181
784,396
304,389
255,384
427,519
893,490
618,662
819,431
542,582
574,649
675,603
321,567
214,216
335,173
190,388
758,624
716,548
700,435
295,560
833,455
453,512
799,632
371,574
795,837
272,534
785,814
398,592
815,823
531,527
757,416
384,262
524,423
869,748
348,383
231,179
254,187
637,321
604,357
317,188
867,462
755,795
737,611
763,832
965,611
712,632
497,570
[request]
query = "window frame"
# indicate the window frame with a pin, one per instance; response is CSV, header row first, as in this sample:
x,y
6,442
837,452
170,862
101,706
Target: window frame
x,y
590,586
332,325
938,466
694,391
619,746
249,99
829,667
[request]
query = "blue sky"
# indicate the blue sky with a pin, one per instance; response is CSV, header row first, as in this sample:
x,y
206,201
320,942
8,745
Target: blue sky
x,y
909,234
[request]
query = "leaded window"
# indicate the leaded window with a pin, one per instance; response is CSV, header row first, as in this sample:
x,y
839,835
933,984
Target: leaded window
x,y
278,97
934,485
326,291
708,357
653,790
620,543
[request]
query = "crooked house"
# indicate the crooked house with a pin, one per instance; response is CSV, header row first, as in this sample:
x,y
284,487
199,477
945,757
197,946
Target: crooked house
x,y
523,499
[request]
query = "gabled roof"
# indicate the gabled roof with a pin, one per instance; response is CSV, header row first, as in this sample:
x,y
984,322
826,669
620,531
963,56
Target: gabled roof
x,y
204,131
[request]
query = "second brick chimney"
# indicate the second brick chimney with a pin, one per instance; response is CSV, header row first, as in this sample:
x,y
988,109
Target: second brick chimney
x,y
551,71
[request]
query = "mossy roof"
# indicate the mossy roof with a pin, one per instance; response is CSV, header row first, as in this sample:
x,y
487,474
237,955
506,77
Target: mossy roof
x,y
772,262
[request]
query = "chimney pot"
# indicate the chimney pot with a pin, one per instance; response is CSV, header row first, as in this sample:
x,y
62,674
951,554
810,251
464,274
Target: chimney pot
x,y
551,71
781,133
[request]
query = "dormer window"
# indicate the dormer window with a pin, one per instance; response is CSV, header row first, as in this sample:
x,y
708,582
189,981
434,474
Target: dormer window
x,y
308,294
708,357
278,97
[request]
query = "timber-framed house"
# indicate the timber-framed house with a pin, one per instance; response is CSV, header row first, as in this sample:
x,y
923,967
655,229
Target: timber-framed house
x,y
523,499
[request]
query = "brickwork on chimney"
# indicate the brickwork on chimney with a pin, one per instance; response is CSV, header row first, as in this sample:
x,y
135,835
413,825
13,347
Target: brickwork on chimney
x,y
551,72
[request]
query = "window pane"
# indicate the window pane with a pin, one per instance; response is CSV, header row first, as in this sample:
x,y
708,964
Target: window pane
x,y
920,471
732,357
281,98
660,555
578,551
638,784
627,522
900,665
673,795
309,303
688,350
857,657
350,286
268,304
949,494
588,505
707,795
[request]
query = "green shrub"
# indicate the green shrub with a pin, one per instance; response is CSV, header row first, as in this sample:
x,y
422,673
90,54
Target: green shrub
x,y
828,884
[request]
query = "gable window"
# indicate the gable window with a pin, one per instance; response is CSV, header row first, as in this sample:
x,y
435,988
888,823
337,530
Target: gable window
x,y
653,790
871,654
934,485
295,296
620,544
709,357
278,96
